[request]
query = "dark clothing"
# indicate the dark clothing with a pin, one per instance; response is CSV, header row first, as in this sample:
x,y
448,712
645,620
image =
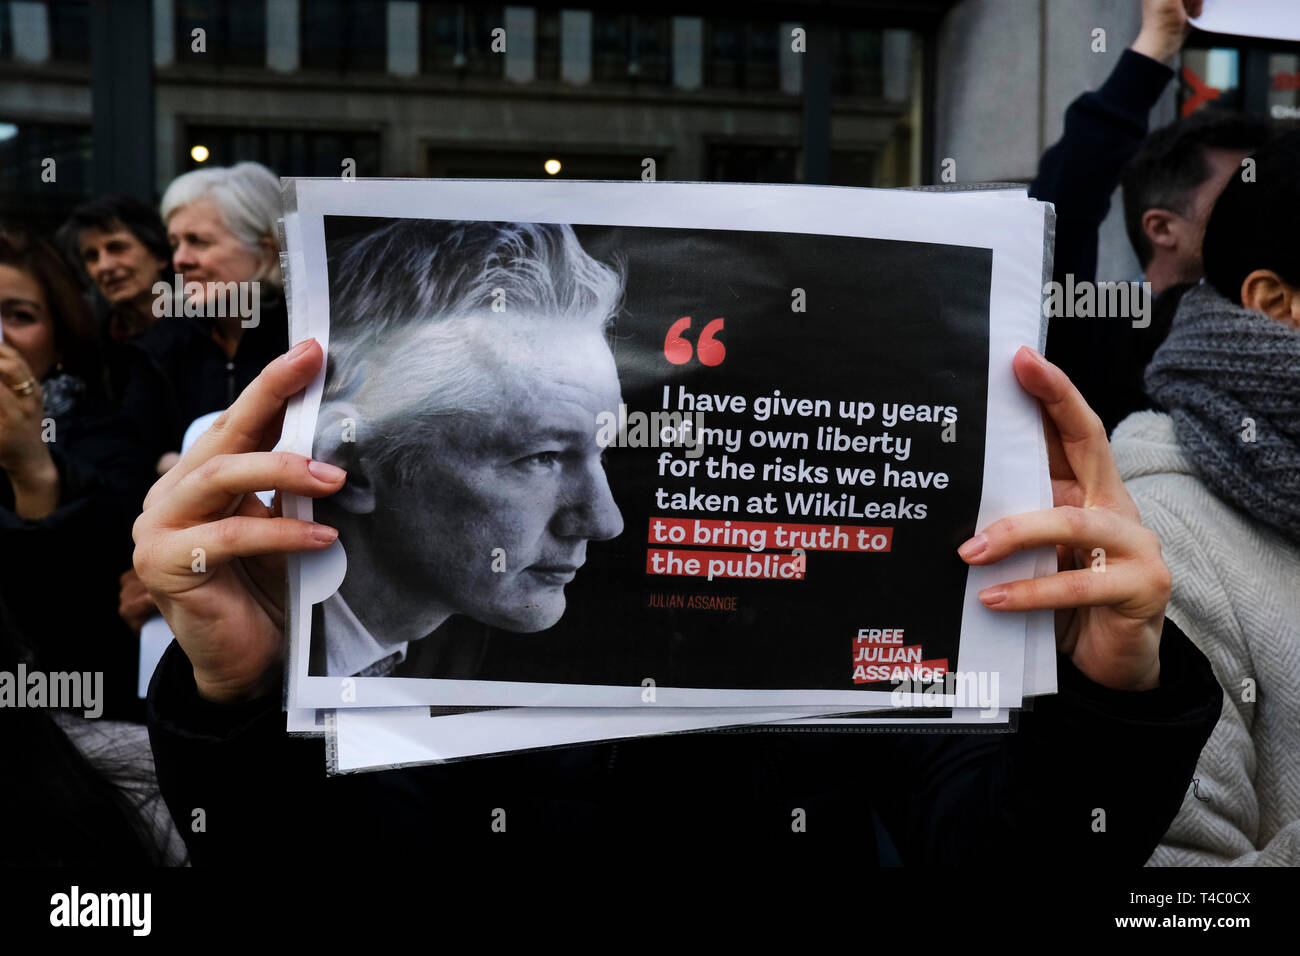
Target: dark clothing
x,y
968,799
1103,131
145,397
198,374
59,574
133,382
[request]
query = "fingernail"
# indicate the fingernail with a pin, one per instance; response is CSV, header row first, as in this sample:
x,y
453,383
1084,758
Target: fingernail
x,y
299,349
1036,355
974,547
992,597
324,534
325,471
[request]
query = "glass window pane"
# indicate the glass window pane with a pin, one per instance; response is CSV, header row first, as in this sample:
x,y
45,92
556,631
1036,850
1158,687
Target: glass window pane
x,y
367,34
69,22
546,56
246,32
321,41
609,47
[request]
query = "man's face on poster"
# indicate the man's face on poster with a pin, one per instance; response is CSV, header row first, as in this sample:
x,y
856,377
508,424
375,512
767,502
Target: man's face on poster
x,y
520,486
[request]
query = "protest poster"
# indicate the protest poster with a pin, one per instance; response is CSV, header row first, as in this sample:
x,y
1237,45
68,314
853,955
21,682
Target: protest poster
x,y
852,418
384,738
1271,19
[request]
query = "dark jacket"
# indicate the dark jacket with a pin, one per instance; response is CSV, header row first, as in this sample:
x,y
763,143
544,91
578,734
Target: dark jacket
x,y
1079,174
198,376
59,574
944,798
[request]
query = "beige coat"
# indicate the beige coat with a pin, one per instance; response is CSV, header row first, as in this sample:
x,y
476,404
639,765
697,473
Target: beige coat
x,y
1236,595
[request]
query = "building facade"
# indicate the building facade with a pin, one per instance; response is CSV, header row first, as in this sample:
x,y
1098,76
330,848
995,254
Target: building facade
x,y
869,93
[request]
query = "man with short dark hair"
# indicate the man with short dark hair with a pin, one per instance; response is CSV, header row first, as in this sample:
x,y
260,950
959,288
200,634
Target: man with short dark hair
x,y
1170,187
1170,181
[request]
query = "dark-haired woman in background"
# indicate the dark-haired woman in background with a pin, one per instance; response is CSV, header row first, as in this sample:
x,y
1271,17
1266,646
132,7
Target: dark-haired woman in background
x,y
1216,474
72,477
118,244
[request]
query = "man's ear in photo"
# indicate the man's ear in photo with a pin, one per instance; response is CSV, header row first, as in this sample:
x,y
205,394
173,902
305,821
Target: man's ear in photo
x,y
337,443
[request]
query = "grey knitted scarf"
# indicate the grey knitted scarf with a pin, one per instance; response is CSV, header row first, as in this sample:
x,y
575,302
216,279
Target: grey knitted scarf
x,y
1222,368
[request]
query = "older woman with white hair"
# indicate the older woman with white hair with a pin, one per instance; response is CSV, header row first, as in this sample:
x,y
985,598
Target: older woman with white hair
x,y
227,316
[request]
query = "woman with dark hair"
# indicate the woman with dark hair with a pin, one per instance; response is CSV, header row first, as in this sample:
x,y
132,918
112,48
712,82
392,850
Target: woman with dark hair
x,y
118,245
72,476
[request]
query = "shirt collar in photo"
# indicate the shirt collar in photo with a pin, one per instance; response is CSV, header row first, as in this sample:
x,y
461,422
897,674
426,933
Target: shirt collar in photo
x,y
351,650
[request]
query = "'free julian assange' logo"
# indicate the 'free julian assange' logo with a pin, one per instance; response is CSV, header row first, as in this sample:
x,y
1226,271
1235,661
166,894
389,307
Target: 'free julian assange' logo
x,y
75,908
59,690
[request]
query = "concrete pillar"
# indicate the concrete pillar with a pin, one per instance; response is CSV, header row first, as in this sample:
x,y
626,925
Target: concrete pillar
x,y
164,33
1007,70
791,61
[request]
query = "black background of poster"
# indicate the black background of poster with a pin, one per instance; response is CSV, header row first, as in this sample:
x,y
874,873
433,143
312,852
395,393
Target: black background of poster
x,y
885,321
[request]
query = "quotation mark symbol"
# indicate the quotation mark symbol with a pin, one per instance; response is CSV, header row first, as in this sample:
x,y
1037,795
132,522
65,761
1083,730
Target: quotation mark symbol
x,y
710,351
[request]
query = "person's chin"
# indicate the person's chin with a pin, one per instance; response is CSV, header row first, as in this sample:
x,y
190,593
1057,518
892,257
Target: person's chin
x,y
540,609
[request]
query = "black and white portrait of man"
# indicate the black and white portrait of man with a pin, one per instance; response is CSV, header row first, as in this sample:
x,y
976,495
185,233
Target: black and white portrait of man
x,y
501,547
468,365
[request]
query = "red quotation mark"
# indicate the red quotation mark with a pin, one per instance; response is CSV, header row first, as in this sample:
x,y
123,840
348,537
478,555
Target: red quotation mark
x,y
678,351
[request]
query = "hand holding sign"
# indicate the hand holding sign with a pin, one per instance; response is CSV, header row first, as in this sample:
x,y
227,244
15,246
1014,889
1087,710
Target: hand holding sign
x,y
1109,624
226,609
1275,19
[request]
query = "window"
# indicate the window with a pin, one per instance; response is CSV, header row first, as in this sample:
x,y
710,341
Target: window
x,y
854,168
629,47
858,68
652,47
24,148
1259,77
740,55
6,38
457,38
743,163
1284,86
546,55
343,35
234,32
69,22
609,47
286,152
